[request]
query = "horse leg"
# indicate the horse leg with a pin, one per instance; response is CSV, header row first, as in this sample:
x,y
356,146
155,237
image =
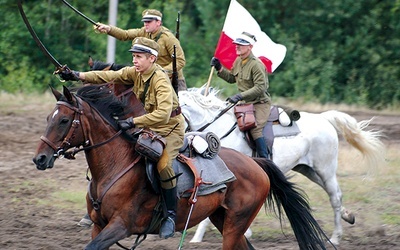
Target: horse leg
x,y
232,229
201,229
106,237
331,187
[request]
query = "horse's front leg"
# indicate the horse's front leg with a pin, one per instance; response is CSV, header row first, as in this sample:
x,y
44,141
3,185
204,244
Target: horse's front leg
x,y
106,237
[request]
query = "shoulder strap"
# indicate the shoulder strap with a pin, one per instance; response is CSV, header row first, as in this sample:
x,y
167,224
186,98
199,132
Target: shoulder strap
x,y
146,88
158,36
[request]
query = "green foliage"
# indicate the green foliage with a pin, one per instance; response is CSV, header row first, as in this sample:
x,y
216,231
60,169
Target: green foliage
x,y
338,51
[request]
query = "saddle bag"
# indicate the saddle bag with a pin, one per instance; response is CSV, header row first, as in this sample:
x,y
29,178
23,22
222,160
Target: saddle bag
x,y
150,145
245,116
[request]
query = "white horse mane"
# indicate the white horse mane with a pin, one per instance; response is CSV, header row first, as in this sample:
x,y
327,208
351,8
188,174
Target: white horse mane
x,y
210,101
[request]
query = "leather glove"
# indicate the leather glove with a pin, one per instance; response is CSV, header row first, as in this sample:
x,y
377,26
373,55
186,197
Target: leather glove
x,y
69,75
235,98
126,124
216,63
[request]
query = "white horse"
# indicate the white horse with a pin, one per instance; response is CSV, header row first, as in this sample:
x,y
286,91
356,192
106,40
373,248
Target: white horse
x,y
313,152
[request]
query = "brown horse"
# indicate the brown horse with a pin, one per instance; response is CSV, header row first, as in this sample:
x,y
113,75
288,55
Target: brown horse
x,y
121,201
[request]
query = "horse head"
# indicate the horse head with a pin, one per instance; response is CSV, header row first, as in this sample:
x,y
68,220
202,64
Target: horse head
x,y
57,137
66,123
199,109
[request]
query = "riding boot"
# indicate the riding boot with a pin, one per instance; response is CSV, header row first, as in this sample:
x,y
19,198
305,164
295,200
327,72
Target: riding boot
x,y
168,223
261,148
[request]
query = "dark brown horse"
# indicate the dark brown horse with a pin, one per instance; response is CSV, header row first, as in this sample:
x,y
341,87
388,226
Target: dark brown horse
x,y
121,201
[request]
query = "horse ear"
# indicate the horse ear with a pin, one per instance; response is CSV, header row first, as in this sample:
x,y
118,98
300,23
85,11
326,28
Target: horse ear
x,y
67,94
90,62
56,93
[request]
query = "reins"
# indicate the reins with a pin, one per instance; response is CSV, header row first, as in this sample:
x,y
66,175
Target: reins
x,y
61,150
218,116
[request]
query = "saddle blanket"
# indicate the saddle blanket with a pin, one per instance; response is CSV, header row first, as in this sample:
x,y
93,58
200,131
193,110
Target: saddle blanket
x,y
211,170
282,131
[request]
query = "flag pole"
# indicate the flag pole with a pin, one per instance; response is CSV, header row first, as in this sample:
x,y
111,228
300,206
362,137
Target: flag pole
x,y
209,80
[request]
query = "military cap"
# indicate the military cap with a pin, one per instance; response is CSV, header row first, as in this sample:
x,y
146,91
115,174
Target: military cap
x,y
245,39
151,14
145,45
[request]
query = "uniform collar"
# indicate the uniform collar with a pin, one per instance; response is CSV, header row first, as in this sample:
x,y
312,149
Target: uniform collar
x,y
154,35
146,75
245,60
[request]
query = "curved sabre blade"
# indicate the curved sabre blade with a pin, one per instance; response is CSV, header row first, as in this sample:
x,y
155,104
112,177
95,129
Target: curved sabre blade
x,y
36,38
80,13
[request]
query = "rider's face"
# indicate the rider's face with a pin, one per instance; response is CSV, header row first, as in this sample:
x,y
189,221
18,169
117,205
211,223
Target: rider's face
x,y
151,26
243,50
142,61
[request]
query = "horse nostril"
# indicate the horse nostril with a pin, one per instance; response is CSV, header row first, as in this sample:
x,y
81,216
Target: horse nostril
x,y
39,160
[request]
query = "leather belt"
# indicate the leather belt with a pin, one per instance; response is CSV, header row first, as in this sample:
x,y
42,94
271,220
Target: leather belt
x,y
176,112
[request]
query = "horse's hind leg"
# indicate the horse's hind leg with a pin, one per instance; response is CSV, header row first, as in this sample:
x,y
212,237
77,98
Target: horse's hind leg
x,y
331,187
232,233
202,227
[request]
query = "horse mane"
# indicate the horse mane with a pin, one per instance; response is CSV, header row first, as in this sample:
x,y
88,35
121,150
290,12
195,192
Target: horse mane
x,y
102,99
210,101
99,65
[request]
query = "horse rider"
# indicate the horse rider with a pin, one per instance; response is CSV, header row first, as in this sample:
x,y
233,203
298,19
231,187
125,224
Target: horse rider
x,y
251,77
153,87
153,29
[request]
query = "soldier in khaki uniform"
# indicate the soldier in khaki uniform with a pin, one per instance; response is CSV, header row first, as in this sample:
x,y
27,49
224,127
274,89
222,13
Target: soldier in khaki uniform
x,y
153,29
163,112
251,77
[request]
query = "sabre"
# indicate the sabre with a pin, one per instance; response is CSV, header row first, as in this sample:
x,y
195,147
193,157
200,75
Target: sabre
x,y
80,13
59,66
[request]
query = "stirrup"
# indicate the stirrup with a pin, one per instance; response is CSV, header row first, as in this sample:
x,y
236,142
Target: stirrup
x,y
167,228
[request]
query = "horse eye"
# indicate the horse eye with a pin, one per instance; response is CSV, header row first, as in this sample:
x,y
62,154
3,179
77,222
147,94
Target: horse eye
x,y
64,121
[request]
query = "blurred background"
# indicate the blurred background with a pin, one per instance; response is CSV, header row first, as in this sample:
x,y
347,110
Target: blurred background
x,y
340,51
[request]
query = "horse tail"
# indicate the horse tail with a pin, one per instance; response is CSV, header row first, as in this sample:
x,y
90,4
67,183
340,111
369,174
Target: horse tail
x,y
285,194
366,141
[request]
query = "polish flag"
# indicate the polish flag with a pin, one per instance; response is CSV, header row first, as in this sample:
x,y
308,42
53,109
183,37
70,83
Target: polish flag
x,y
237,20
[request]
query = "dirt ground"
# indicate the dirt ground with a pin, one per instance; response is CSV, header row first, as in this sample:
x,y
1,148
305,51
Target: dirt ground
x,y
34,214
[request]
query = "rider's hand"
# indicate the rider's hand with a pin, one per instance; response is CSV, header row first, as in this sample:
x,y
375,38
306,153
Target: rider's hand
x,y
126,124
69,75
102,28
235,98
216,63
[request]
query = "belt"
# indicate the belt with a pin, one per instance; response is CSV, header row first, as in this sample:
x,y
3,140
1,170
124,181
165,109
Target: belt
x,y
176,112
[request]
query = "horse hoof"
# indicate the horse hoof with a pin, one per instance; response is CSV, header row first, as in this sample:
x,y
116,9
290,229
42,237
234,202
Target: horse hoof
x,y
351,218
85,222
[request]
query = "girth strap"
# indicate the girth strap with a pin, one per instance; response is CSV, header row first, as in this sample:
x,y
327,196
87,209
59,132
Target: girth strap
x,y
197,178
96,203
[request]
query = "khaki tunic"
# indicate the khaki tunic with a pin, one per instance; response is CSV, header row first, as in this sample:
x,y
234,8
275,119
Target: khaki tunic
x,y
251,77
164,38
160,101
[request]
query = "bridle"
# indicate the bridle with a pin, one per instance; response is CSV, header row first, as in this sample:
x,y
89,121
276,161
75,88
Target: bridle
x,y
62,150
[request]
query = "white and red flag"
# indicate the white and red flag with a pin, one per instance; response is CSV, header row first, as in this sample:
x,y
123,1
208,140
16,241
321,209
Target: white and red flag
x,y
237,20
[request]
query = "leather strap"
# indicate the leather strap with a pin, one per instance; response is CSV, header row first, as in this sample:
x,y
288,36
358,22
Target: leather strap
x,y
176,112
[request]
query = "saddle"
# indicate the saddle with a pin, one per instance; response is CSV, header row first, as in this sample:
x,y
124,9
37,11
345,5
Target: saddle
x,y
199,154
281,122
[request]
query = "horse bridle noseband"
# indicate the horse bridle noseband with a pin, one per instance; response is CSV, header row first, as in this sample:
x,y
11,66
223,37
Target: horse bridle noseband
x,y
61,151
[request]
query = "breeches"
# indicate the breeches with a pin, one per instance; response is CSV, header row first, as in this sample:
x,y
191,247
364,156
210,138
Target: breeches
x,y
164,165
261,113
